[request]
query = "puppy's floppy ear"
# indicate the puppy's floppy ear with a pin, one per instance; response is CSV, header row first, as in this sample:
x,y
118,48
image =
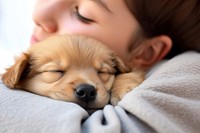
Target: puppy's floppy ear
x,y
121,66
13,74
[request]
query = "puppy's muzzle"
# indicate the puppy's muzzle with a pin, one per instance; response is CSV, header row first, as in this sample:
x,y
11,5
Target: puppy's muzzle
x,y
85,92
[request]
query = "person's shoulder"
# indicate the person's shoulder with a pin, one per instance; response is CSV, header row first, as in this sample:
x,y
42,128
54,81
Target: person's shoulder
x,y
188,54
183,61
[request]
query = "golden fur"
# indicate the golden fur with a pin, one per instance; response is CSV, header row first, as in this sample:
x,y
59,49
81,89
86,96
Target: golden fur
x,y
57,66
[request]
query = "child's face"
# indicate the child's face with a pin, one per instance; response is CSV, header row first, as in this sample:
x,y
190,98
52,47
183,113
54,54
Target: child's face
x,y
108,21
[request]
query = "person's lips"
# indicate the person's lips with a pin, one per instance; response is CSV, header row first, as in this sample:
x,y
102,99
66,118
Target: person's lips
x,y
34,40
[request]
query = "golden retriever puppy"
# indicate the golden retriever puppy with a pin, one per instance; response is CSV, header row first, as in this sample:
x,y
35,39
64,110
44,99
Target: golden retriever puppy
x,y
74,69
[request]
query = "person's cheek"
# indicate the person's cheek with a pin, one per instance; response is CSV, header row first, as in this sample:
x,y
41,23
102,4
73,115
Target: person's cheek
x,y
75,27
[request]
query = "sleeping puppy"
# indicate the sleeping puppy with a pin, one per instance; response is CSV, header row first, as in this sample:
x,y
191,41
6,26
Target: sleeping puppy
x,y
74,69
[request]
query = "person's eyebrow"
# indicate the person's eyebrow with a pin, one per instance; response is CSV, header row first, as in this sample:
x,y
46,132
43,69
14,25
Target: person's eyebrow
x,y
102,4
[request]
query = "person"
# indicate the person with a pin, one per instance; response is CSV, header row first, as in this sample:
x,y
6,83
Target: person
x,y
142,33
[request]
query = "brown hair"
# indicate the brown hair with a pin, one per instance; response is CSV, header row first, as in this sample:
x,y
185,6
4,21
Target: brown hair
x,y
178,19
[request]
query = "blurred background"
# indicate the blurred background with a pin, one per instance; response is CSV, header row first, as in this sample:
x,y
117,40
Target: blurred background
x,y
16,26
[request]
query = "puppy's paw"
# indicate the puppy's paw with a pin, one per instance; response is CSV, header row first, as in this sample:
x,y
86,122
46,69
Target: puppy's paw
x,y
124,83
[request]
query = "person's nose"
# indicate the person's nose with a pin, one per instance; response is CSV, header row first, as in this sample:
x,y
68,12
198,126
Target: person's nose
x,y
45,18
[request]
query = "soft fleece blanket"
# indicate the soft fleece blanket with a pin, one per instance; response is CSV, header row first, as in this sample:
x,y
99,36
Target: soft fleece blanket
x,y
168,101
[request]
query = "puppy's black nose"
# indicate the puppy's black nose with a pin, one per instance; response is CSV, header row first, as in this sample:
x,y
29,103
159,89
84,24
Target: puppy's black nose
x,y
85,92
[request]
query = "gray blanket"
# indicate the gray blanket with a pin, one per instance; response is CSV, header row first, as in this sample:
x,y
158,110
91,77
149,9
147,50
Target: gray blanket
x,y
168,101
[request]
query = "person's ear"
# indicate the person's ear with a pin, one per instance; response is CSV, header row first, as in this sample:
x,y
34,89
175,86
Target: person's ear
x,y
150,51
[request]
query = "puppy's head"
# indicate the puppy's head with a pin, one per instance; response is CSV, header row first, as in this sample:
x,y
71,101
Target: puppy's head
x,y
69,68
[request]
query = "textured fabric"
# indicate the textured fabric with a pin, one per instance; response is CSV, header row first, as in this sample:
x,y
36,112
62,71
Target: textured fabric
x,y
23,112
168,101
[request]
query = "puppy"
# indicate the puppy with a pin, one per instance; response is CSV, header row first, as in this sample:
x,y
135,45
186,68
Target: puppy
x,y
72,68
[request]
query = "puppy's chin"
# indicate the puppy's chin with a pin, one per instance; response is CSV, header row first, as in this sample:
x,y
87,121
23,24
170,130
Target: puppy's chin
x,y
91,107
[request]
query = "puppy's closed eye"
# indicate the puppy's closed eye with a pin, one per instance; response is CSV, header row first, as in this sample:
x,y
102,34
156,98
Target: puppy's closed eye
x,y
106,72
50,76
104,76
